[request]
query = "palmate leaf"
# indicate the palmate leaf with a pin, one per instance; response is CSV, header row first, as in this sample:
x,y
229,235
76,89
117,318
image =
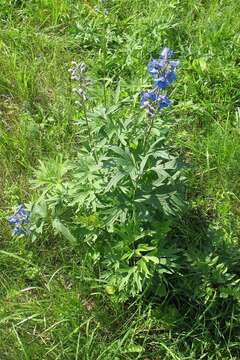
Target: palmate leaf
x,y
50,174
125,161
40,209
63,230
124,154
162,174
162,154
143,164
113,215
115,180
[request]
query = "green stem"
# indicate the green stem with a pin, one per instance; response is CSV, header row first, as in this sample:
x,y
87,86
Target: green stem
x,y
104,48
148,132
89,134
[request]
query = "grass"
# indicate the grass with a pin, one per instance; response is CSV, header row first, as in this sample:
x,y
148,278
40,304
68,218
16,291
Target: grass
x,y
48,309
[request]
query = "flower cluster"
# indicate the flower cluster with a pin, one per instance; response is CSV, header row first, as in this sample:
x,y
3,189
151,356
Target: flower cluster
x,y
163,72
77,73
18,220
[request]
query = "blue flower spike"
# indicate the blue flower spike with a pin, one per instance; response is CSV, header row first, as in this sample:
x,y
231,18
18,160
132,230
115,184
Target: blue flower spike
x,y
18,219
163,72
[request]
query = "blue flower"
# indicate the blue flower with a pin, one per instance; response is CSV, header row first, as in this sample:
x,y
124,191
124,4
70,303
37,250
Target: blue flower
x,y
21,212
17,231
163,71
161,82
154,66
174,63
163,101
13,220
164,81
18,219
145,97
166,53
170,77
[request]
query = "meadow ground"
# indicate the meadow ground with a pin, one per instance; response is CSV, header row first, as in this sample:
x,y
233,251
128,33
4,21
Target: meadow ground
x,y
47,308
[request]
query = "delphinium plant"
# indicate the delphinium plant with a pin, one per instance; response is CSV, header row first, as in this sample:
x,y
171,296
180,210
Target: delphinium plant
x,y
116,201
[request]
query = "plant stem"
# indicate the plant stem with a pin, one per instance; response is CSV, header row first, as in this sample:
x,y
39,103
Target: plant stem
x,y
148,132
89,134
104,48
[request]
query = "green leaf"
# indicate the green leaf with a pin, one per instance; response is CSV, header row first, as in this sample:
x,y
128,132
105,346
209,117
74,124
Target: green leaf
x,y
114,180
161,290
40,209
154,259
144,248
63,230
142,264
143,163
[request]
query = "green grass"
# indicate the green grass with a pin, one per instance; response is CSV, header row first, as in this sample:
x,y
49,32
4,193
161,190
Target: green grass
x,y
48,309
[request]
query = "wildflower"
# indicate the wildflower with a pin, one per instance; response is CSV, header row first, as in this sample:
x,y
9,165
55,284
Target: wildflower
x,y
166,53
174,63
77,73
163,71
152,102
163,101
164,81
17,231
80,92
161,82
147,101
154,66
145,97
18,219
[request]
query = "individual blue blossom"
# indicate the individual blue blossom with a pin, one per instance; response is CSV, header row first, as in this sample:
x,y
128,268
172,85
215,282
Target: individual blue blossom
x,y
13,220
152,101
19,215
21,212
174,63
77,71
170,76
18,219
145,97
166,53
154,66
161,82
163,101
148,101
164,81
